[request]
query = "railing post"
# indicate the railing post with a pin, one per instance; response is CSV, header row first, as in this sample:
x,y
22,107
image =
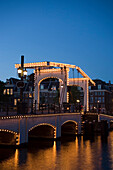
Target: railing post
x,y
32,108
54,107
48,108
42,108
7,109
59,108
35,106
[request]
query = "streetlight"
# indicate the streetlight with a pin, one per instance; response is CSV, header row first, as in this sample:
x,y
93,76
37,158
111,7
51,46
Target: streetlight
x,y
22,73
62,85
61,96
78,101
98,106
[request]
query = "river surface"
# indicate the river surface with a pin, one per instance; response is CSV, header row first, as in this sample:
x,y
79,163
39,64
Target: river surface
x,y
79,153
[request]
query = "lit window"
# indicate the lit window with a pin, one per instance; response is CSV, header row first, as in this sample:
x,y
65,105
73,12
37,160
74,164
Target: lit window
x,y
15,101
4,91
8,91
11,91
30,95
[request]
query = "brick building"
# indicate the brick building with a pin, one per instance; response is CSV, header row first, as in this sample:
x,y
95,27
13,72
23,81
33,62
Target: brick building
x,y
101,97
13,92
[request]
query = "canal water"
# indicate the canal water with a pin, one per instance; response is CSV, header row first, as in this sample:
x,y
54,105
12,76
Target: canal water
x,y
79,153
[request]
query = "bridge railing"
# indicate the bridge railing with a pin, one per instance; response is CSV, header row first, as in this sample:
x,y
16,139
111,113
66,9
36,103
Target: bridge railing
x,y
36,108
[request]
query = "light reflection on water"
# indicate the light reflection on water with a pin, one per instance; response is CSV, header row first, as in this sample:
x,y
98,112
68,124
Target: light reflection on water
x,y
95,153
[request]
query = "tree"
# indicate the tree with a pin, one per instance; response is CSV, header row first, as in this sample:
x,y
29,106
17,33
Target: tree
x,y
74,94
3,98
30,77
2,85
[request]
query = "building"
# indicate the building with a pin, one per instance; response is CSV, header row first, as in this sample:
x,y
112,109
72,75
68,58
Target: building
x,y
13,91
49,91
101,97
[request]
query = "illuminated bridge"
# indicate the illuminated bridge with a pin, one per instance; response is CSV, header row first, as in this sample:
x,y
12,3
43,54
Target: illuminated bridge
x,y
15,130
60,71
108,118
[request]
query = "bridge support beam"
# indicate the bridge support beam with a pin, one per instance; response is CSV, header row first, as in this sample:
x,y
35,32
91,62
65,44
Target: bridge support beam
x,y
23,131
86,95
58,127
79,126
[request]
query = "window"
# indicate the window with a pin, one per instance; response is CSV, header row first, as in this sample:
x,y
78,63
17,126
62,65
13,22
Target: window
x,y
91,106
30,88
11,91
91,99
103,105
41,86
8,91
99,99
102,93
95,99
30,95
89,87
26,95
95,93
78,87
99,93
91,94
103,100
4,91
99,86
15,101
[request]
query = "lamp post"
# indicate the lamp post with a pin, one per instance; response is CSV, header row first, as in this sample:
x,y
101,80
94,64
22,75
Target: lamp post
x,y
98,106
61,96
78,101
22,73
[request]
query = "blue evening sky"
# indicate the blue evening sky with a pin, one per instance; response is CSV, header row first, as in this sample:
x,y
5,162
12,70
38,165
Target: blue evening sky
x,y
77,32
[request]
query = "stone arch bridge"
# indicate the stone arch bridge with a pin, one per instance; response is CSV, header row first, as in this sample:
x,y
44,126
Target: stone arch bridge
x,y
14,130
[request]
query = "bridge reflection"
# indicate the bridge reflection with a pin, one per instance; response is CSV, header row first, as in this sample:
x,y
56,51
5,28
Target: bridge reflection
x,y
69,153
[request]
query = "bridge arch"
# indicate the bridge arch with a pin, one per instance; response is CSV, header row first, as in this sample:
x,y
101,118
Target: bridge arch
x,y
42,130
61,90
82,82
9,137
52,73
69,127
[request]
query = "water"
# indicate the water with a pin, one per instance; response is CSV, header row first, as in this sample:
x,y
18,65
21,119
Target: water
x,y
73,154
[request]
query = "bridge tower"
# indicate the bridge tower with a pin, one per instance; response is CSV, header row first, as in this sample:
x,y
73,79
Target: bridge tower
x,y
44,70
